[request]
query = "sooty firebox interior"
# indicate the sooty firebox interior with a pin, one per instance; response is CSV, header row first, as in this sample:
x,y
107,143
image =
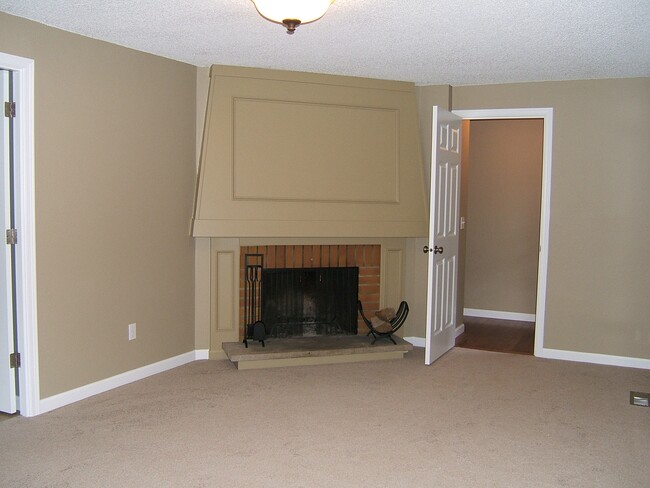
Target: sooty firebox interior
x,y
310,301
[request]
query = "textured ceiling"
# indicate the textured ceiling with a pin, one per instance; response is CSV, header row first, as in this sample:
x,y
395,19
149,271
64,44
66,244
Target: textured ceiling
x,y
455,42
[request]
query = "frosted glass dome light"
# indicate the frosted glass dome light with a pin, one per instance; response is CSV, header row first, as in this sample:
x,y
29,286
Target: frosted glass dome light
x,y
292,13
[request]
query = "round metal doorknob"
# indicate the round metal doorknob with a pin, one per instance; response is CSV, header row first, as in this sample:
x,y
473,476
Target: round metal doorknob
x,y
435,250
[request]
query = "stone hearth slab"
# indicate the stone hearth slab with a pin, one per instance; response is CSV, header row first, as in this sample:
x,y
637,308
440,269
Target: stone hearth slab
x,y
300,351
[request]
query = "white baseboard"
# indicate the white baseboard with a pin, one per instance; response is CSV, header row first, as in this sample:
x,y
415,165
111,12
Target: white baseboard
x,y
416,341
588,357
460,329
72,396
201,354
496,314
421,341
581,357
68,397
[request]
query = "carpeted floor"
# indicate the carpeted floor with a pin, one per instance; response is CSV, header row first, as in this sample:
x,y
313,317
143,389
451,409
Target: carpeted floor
x,y
5,416
473,419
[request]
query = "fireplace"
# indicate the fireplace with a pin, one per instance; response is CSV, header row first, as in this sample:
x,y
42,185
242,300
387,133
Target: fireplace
x,y
313,271
310,301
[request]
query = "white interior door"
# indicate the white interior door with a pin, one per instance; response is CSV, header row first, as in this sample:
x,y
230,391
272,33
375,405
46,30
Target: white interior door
x,y
443,234
7,374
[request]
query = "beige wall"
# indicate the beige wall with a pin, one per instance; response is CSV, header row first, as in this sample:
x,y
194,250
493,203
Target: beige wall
x,y
502,233
599,270
115,166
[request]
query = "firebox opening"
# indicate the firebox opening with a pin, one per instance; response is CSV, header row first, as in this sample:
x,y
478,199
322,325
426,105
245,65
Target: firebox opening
x,y
366,257
310,301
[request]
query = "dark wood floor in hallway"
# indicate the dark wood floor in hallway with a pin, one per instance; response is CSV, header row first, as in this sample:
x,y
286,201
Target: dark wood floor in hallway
x,y
497,335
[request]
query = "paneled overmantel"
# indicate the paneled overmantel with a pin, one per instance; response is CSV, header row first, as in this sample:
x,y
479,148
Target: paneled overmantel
x,y
290,154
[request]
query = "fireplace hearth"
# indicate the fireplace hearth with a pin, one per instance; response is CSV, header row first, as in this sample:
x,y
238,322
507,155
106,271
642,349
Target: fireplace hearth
x,y
300,302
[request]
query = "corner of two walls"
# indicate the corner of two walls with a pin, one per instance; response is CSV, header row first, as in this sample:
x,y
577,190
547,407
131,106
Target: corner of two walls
x,y
201,244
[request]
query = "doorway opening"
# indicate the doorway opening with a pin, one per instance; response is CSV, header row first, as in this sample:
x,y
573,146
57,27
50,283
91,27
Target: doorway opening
x,y
502,297
501,197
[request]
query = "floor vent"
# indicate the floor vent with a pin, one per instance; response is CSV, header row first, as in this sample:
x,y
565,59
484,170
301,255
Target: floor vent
x,y
639,399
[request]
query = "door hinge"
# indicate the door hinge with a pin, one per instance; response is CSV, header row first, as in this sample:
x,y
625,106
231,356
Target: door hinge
x,y
14,360
12,236
10,109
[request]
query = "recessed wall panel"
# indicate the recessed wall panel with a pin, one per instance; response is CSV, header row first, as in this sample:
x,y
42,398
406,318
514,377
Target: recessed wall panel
x,y
224,297
438,296
453,200
442,185
314,152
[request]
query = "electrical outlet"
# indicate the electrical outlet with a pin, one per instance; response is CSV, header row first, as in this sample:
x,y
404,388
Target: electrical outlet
x,y
132,331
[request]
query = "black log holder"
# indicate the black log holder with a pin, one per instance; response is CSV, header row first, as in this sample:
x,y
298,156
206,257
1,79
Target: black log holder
x,y
254,328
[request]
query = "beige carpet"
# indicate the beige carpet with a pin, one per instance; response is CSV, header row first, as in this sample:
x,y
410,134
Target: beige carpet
x,y
473,419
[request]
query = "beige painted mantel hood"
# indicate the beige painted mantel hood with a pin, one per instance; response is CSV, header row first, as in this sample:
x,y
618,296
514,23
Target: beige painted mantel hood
x,y
289,154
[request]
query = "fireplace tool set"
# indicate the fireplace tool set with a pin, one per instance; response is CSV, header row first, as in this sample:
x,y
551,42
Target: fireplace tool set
x,y
254,328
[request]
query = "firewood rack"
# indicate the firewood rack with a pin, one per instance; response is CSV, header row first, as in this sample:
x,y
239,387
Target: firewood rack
x,y
254,328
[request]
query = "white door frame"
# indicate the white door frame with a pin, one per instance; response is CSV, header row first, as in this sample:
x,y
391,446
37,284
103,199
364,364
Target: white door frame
x,y
542,266
28,377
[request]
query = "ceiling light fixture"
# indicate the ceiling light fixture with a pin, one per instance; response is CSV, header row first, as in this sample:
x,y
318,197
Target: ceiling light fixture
x,y
292,13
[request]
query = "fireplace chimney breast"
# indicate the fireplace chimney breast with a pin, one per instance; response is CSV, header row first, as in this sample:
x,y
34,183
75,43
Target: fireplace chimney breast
x,y
289,154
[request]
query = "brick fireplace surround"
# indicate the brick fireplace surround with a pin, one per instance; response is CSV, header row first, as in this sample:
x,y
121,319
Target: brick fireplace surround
x,y
366,256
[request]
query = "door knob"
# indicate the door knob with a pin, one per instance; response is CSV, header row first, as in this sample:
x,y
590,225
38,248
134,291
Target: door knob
x,y
435,250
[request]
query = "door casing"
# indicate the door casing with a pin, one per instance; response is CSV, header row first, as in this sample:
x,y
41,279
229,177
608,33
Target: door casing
x,y
7,344
27,340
